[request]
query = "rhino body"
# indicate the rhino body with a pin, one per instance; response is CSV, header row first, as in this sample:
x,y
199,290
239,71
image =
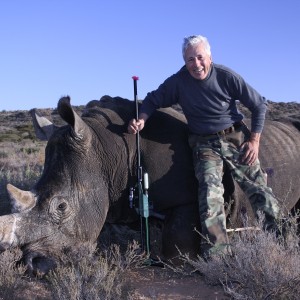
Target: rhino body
x,y
91,163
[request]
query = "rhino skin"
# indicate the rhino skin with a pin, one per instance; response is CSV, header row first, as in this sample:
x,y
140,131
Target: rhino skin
x,y
91,162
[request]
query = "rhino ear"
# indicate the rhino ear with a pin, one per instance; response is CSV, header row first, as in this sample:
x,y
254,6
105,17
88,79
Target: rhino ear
x,y
21,200
71,117
42,126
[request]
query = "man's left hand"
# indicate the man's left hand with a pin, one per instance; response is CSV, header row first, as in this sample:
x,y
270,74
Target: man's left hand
x,y
250,151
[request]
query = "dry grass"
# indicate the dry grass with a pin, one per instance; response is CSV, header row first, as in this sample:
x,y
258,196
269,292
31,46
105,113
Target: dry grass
x,y
21,164
80,275
262,265
90,275
12,273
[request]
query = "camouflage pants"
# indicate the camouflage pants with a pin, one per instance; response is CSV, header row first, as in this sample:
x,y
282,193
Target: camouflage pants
x,y
210,153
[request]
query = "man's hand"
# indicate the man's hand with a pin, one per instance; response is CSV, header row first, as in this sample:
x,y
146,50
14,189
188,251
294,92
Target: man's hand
x,y
250,149
135,125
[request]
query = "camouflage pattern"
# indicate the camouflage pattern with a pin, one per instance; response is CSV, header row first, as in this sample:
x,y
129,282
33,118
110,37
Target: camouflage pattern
x,y
210,154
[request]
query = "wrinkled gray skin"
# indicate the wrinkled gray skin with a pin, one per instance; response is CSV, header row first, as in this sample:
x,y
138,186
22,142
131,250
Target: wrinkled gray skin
x,y
90,164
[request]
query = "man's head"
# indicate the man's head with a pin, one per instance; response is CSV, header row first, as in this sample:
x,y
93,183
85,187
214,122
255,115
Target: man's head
x,y
197,56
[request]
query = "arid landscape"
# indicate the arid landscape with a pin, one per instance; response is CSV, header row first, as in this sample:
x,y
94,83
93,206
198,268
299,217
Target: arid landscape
x,y
248,274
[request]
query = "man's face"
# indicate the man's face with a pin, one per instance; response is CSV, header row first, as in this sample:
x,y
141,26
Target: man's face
x,y
197,61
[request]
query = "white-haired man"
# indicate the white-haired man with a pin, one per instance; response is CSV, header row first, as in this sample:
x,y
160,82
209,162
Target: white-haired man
x,y
207,93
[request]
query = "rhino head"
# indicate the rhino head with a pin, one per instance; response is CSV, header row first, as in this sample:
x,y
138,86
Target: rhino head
x,y
69,203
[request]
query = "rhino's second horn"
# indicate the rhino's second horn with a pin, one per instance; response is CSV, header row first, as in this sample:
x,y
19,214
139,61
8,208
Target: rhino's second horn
x,y
21,200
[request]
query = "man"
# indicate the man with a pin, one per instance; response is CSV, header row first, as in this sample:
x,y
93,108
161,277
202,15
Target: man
x,y
207,93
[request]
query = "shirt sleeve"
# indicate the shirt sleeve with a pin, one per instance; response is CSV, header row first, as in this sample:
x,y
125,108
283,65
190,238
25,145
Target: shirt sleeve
x,y
164,96
256,103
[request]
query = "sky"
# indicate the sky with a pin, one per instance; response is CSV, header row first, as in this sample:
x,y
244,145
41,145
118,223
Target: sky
x,y
90,48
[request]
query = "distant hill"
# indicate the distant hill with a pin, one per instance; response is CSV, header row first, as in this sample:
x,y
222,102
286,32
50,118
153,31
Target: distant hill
x,y
17,126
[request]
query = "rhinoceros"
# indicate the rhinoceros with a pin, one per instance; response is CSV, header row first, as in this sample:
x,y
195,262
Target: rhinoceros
x,y
91,163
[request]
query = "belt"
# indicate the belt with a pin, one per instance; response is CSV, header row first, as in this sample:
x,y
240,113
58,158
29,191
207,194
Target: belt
x,y
228,130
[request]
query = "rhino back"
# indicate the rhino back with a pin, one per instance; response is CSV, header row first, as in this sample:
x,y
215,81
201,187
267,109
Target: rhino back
x,y
168,159
165,153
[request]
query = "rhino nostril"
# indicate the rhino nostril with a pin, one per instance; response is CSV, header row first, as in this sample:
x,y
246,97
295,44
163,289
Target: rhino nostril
x,y
38,264
4,246
28,263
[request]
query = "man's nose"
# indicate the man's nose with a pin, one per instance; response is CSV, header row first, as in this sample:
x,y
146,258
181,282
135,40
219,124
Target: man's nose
x,y
197,62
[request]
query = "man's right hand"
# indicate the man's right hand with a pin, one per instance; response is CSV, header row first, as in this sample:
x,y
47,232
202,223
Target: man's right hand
x,y
135,125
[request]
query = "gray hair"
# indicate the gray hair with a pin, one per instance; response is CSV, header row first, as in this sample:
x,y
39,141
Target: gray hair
x,y
194,40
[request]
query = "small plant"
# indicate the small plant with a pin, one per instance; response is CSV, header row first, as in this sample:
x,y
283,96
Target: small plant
x,y
263,265
3,155
90,275
11,273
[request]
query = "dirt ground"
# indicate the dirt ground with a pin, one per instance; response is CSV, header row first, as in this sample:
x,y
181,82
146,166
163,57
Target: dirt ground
x,y
149,283
156,283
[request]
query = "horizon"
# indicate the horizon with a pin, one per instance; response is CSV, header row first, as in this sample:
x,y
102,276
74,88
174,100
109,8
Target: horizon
x,y
91,49
84,104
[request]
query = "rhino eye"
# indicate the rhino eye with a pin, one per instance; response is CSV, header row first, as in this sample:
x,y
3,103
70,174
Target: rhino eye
x,y
62,206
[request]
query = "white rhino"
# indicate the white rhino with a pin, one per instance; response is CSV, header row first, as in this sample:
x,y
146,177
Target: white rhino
x,y
90,164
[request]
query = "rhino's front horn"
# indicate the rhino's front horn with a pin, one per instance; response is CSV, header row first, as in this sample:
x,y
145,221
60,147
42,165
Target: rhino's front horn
x,y
21,200
7,230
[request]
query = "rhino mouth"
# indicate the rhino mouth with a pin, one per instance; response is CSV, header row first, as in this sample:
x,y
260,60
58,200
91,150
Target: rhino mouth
x,y
38,264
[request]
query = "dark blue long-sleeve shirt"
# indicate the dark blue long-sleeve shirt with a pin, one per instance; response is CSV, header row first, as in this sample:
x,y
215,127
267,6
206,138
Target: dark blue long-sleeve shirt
x,y
209,105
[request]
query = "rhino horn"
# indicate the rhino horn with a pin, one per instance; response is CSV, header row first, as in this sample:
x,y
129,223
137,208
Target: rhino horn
x,y
21,200
42,126
71,117
7,230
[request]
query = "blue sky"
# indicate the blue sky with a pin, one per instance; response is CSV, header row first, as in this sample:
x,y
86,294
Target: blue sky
x,y
88,48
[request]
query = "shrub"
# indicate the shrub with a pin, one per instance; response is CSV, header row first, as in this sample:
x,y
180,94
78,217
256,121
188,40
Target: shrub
x,y
11,274
90,275
262,265
3,155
